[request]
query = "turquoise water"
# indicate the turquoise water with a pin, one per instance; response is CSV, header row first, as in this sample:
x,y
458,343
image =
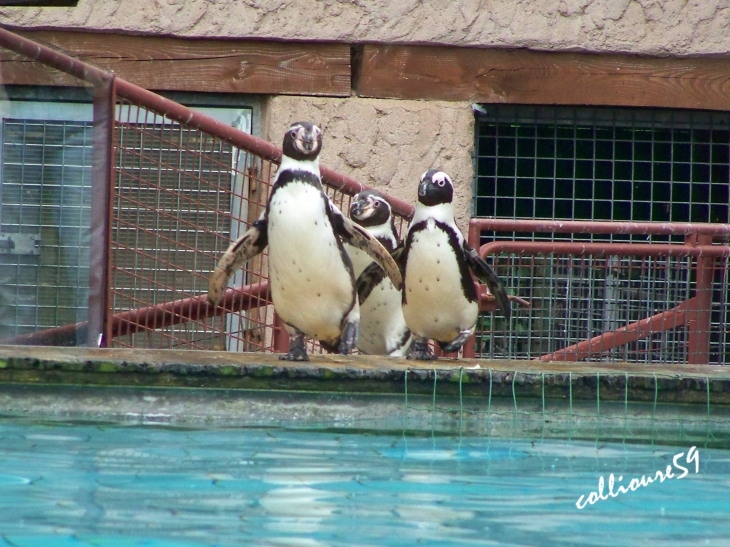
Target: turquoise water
x,y
106,485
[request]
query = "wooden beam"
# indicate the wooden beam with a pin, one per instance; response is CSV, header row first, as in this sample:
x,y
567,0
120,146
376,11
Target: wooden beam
x,y
530,77
177,64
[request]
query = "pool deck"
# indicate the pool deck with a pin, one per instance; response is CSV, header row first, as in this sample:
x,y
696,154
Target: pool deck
x,y
57,366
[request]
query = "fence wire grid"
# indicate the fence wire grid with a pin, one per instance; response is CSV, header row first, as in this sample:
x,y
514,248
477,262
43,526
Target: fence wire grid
x,y
181,196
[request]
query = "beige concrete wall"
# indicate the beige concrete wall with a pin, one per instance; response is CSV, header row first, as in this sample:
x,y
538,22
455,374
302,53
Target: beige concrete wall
x,y
654,27
387,143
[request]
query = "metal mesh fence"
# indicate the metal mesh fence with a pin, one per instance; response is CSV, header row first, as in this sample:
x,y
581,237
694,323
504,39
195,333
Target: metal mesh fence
x,y
580,298
181,196
603,164
44,223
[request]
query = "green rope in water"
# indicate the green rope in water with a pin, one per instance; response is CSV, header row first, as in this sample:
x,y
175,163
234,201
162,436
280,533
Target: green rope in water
x,y
406,392
405,412
653,410
570,393
461,400
433,408
570,400
489,400
626,397
626,405
543,397
435,377
514,395
708,432
598,408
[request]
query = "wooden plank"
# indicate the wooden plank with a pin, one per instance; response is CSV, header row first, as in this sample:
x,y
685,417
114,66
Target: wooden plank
x,y
177,64
530,77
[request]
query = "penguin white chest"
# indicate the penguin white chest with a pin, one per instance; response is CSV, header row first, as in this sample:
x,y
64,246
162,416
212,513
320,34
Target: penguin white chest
x,y
435,305
311,287
360,259
382,327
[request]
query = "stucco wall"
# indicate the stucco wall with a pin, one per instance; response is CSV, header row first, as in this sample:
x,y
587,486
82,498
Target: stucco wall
x,y
654,27
387,143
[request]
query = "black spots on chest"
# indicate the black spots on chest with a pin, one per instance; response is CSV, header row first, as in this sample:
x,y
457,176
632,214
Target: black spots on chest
x,y
454,247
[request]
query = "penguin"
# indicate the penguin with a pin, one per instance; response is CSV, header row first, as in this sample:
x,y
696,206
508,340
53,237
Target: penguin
x,y
311,277
439,297
383,330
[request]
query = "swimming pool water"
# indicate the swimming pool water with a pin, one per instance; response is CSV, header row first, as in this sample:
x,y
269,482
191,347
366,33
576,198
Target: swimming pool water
x,y
113,485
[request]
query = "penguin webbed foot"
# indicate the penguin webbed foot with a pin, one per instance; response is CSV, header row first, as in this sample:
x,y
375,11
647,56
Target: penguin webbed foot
x,y
457,342
297,351
348,339
420,351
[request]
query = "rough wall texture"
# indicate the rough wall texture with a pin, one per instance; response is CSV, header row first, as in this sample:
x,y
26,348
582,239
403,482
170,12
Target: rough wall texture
x,y
386,143
653,27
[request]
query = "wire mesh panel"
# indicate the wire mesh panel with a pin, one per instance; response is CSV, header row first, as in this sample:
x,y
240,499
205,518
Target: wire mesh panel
x,y
181,196
599,164
603,164
45,181
576,299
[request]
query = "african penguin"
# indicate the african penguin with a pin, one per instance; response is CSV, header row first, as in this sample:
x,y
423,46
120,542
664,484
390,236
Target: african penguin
x,y
311,278
439,296
383,330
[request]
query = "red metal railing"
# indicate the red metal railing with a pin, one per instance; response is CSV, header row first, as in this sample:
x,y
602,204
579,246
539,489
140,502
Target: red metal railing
x,y
698,304
170,189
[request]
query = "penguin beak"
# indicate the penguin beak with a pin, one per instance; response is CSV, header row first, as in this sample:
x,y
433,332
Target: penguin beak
x,y
423,187
358,208
309,141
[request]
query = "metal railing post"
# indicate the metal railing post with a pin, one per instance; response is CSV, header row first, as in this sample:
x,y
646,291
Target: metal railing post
x,y
281,336
102,195
698,332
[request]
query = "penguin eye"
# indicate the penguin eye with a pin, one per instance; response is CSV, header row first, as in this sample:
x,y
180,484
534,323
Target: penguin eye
x,y
376,204
293,133
441,182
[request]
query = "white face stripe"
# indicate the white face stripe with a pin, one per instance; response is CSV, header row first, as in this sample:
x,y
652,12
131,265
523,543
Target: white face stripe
x,y
442,178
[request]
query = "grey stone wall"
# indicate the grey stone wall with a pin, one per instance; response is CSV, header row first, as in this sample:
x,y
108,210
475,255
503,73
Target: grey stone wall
x,y
652,27
387,143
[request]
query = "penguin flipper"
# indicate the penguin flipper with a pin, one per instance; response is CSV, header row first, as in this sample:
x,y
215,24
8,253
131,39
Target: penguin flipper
x,y
358,237
250,244
486,275
368,280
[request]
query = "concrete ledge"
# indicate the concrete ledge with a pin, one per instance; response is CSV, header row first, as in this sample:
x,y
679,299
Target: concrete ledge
x,y
480,379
